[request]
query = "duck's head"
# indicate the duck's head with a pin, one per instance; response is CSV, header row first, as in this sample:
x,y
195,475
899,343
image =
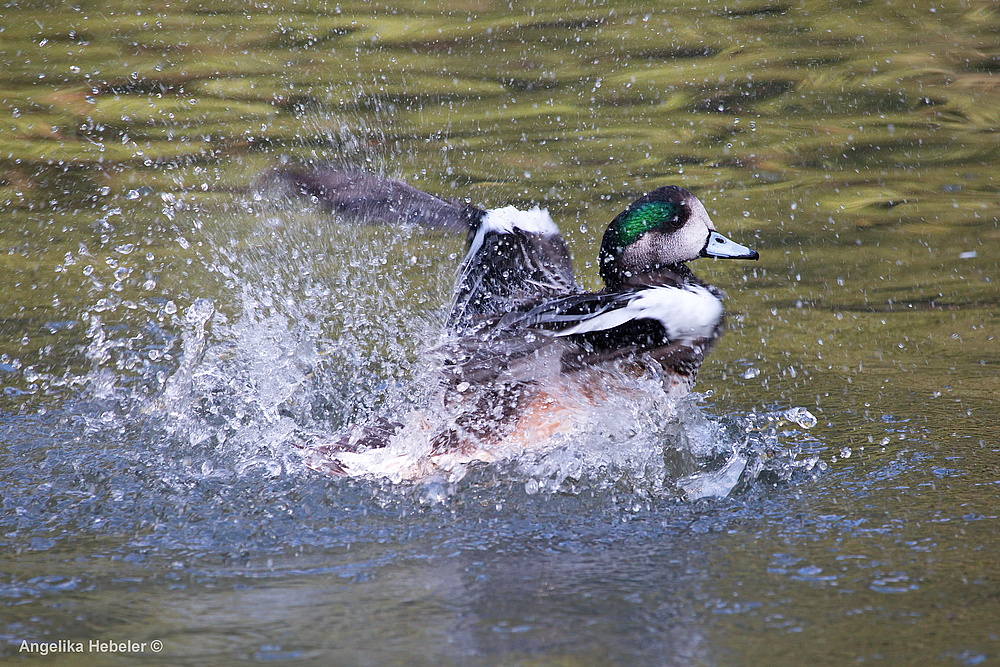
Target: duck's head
x,y
663,228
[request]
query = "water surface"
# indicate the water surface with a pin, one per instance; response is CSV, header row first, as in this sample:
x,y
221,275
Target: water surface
x,y
168,333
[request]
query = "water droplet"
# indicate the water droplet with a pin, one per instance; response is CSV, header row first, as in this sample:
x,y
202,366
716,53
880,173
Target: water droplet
x,y
800,416
199,311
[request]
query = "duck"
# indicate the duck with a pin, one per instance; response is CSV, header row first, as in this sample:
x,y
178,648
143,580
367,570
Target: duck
x,y
526,350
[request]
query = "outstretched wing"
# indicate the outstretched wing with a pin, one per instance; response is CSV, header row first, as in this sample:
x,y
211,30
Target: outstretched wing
x,y
515,258
370,198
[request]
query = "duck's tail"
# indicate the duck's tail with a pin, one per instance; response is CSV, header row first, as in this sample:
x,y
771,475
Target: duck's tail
x,y
369,198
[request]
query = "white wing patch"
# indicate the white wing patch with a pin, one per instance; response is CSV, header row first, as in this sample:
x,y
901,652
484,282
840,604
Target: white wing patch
x,y
505,220
686,313
534,221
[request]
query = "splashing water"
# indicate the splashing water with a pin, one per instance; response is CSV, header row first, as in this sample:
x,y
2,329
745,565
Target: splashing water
x,y
312,331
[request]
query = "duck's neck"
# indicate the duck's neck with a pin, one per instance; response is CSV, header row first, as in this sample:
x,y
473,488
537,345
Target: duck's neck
x,y
615,276
614,273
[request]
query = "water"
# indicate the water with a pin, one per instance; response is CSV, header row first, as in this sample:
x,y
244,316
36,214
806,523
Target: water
x,y
171,335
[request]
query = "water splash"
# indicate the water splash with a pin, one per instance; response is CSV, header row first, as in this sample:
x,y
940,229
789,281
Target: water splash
x,y
276,332
300,327
638,439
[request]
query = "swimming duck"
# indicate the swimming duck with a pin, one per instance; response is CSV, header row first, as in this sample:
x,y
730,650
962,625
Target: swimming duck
x,y
527,350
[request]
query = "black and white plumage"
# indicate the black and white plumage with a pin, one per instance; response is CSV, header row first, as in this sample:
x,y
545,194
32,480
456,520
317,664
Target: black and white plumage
x,y
514,257
523,336
517,279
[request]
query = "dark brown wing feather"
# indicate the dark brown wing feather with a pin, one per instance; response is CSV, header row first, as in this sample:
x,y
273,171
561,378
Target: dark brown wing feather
x,y
363,196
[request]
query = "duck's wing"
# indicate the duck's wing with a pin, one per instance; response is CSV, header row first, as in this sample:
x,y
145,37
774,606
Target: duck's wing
x,y
676,323
515,259
363,196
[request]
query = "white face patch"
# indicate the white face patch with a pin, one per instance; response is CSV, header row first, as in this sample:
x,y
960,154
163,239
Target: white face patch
x,y
699,213
688,241
686,313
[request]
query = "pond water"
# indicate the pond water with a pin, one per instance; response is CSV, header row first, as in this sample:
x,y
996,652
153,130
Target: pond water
x,y
171,332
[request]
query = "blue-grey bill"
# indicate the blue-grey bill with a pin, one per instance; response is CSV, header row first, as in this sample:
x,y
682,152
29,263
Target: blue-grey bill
x,y
719,246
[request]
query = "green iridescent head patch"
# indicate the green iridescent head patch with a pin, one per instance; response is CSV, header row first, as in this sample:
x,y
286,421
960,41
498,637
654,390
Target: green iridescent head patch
x,y
641,219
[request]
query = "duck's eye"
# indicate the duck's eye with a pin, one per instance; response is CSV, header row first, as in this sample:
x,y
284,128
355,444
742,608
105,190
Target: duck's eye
x,y
677,217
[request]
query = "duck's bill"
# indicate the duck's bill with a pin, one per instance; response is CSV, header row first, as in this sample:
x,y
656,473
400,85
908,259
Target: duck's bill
x,y
719,246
